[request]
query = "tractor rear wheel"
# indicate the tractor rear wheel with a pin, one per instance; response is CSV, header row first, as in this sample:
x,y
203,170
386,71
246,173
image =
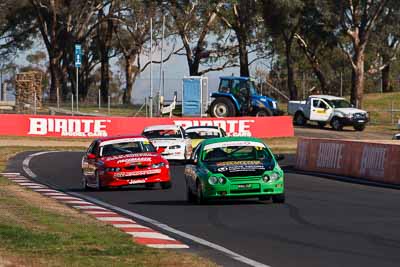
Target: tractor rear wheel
x,y
264,113
222,107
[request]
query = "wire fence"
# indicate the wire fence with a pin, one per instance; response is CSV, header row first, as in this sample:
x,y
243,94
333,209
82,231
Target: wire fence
x,y
381,112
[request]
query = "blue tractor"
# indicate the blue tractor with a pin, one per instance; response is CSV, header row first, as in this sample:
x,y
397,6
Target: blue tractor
x,y
238,96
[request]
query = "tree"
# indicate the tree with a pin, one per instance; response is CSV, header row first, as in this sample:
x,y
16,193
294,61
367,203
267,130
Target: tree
x,y
17,27
132,33
194,21
241,16
61,24
386,45
283,20
105,29
354,21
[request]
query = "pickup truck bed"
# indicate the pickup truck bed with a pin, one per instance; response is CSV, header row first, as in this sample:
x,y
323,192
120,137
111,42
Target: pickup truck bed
x,y
294,106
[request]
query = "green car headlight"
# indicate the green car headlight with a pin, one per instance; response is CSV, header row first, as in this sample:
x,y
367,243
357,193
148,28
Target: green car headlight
x,y
213,180
271,177
221,180
274,176
266,178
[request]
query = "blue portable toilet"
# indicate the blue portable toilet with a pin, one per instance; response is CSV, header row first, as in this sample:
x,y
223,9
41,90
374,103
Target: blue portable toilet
x,y
194,96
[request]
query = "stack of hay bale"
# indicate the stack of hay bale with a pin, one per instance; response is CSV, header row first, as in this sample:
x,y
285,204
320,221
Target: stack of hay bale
x,y
27,84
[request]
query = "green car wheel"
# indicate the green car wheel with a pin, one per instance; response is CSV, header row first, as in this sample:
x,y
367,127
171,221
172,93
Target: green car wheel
x,y
200,200
190,197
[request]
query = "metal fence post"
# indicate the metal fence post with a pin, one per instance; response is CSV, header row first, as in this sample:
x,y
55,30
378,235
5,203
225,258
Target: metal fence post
x,y
145,103
58,98
392,112
72,105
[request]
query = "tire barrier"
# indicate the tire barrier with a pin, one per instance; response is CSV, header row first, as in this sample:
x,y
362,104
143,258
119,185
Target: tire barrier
x,y
372,161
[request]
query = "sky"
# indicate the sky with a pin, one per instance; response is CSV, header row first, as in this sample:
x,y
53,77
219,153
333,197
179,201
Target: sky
x,y
175,69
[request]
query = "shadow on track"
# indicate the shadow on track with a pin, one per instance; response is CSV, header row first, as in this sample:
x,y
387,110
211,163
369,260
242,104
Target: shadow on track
x,y
209,203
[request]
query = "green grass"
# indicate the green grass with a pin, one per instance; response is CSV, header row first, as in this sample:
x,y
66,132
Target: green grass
x,y
378,104
38,231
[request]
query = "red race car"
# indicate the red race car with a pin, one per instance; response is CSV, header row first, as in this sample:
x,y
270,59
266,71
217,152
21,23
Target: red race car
x,y
121,161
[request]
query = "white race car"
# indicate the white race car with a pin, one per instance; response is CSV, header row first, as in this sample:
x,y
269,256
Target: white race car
x,y
199,133
170,141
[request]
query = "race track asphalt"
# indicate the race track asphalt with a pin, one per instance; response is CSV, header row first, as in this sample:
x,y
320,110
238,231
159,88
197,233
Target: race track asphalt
x,y
324,222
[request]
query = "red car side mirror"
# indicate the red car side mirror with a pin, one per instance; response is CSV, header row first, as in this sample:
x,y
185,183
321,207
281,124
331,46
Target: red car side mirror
x,y
91,156
160,150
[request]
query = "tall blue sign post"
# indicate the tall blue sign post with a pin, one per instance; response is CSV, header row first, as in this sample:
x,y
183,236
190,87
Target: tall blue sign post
x,y
78,62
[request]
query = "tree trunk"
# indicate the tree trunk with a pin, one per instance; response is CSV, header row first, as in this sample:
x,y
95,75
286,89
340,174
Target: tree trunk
x,y
357,86
321,78
243,55
194,66
290,73
105,79
128,80
55,78
386,86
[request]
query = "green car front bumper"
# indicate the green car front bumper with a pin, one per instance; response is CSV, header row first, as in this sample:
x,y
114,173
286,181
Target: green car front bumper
x,y
245,188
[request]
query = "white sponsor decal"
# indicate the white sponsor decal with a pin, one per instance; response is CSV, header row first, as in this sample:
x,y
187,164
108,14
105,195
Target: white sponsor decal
x,y
302,155
137,181
232,127
234,143
68,127
137,173
132,160
130,156
373,161
330,156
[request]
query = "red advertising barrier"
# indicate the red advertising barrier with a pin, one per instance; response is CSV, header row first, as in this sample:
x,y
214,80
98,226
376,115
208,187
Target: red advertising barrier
x,y
76,126
364,160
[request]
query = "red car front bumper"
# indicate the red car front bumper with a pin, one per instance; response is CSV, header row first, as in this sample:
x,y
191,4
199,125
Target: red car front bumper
x,y
124,178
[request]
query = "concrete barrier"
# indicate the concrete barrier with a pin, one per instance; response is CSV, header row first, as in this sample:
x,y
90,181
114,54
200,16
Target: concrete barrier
x,y
364,160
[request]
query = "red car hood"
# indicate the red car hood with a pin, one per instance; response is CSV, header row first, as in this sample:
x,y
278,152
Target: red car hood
x,y
132,159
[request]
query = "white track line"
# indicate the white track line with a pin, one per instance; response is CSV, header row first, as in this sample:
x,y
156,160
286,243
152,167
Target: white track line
x,y
113,219
54,194
165,227
48,190
167,246
153,235
10,173
98,212
76,202
89,207
26,184
130,225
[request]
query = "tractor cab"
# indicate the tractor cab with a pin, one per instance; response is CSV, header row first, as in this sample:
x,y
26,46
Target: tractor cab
x,y
238,96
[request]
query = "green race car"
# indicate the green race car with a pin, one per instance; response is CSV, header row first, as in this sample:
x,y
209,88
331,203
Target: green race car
x,y
230,167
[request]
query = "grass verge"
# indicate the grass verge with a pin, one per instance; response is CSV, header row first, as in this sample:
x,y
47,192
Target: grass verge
x,y
37,231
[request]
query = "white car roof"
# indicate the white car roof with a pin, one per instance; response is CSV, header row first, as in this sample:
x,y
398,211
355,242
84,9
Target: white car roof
x,y
328,97
162,127
202,129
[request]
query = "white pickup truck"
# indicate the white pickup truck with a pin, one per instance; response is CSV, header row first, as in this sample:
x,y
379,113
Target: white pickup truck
x,y
324,109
